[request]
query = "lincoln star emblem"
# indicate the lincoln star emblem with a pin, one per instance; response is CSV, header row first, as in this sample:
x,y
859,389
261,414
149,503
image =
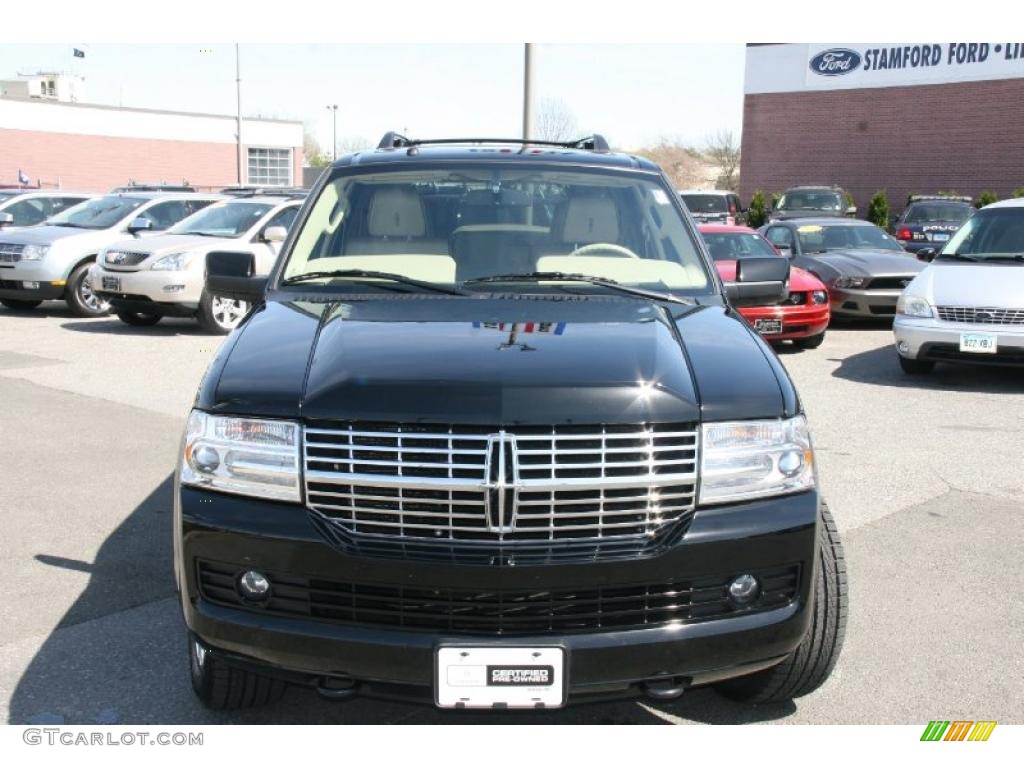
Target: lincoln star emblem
x,y
501,481
116,257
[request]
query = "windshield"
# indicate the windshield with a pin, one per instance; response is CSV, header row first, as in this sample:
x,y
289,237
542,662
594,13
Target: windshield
x,y
222,220
811,200
99,213
924,213
820,238
705,203
737,245
5,196
994,232
453,227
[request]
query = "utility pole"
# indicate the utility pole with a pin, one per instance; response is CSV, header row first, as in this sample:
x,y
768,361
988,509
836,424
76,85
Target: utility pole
x,y
238,103
334,143
528,92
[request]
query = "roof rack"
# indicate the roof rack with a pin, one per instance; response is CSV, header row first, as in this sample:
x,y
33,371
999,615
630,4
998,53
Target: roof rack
x,y
289,192
953,198
596,142
134,187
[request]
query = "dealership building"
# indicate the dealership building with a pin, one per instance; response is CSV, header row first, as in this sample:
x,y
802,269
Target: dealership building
x,y
58,141
909,119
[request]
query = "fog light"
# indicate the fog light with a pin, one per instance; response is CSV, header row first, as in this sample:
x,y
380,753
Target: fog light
x,y
790,462
173,288
206,459
744,589
903,347
254,585
31,286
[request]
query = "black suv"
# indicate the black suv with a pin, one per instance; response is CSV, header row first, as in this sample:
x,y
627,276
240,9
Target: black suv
x,y
812,200
494,436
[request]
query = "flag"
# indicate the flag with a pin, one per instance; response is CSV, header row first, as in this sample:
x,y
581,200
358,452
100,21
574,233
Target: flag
x,y
23,177
79,54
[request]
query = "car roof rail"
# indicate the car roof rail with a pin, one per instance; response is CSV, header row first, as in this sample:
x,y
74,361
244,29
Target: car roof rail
x,y
595,142
951,198
289,192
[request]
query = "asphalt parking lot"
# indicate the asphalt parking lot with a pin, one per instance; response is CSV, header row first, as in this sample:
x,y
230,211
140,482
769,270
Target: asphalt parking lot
x,y
925,478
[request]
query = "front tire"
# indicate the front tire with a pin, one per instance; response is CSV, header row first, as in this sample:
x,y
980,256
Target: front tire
x,y
220,315
80,296
915,367
221,686
138,318
20,304
810,342
807,667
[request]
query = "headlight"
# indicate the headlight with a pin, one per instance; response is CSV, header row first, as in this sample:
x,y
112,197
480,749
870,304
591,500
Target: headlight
x,y
34,252
913,306
819,297
173,261
850,282
751,459
254,457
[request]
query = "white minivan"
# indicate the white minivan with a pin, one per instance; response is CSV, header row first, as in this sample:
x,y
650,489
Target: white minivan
x,y
968,305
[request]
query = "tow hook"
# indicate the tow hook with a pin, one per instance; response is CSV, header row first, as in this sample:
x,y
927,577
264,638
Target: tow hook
x,y
667,688
337,688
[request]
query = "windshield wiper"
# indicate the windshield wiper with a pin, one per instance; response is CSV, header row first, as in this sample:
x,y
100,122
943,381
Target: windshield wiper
x,y
535,277
1005,257
203,234
367,273
958,257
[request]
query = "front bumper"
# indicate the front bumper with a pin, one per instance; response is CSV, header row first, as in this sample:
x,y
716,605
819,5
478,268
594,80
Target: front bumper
x,y
51,281
276,537
155,286
798,321
922,338
848,302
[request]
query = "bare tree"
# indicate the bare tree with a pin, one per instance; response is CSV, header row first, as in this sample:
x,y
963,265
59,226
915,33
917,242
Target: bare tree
x,y
312,150
723,152
554,121
348,144
682,164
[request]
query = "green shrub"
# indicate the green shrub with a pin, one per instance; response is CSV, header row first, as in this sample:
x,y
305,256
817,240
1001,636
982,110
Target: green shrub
x,y
878,209
849,201
757,213
985,198
1018,192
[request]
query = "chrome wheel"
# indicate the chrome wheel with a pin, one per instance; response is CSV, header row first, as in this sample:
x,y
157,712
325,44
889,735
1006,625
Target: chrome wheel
x,y
89,299
227,312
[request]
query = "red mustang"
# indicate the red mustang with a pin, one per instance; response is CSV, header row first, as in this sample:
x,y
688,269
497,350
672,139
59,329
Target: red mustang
x,y
802,317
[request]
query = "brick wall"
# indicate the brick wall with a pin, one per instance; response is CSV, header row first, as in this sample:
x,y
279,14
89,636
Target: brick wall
x,y
98,163
966,137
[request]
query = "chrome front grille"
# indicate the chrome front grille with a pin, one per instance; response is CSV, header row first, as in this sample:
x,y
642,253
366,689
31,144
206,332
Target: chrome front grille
x,y
10,252
459,484
121,259
986,315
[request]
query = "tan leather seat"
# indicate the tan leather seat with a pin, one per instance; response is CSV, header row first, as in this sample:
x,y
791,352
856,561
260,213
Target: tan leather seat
x,y
396,223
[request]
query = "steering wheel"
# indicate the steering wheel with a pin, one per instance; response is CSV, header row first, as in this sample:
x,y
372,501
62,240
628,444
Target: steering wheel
x,y
621,250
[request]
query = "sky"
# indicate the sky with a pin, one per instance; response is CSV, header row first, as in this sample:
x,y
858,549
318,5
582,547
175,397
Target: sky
x,y
634,94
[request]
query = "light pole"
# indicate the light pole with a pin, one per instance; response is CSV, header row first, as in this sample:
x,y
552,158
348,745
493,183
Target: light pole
x,y
238,113
528,92
334,120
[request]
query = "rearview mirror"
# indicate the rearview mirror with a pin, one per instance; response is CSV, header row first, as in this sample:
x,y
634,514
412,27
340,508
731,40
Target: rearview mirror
x,y
927,254
275,234
139,224
5,219
230,274
760,280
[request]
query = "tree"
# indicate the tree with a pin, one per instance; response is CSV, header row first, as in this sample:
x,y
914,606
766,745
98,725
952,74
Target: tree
x,y
878,209
757,213
723,152
347,144
554,121
985,198
682,164
313,153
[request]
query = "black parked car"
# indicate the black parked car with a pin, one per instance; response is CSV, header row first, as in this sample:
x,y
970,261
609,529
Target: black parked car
x,y
929,221
811,200
493,436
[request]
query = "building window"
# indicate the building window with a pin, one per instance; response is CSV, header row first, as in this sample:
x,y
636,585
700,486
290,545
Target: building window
x,y
270,167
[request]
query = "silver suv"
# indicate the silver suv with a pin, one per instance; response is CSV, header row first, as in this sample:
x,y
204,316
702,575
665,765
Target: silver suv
x,y
165,275
50,260
26,207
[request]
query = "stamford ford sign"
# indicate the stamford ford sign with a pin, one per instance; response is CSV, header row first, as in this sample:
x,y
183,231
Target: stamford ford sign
x,y
835,61
778,68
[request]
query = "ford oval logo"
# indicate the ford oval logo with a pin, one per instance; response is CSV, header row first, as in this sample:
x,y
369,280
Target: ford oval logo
x,y
835,61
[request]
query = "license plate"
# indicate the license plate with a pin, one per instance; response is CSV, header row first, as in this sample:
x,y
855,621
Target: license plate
x,y
768,326
982,343
500,677
111,283
939,237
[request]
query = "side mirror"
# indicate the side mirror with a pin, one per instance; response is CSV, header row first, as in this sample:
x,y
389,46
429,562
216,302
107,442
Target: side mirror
x,y
784,250
851,210
760,280
230,274
5,219
274,234
139,224
927,254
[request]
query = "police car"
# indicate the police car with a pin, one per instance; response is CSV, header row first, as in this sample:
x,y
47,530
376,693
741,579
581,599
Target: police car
x,y
929,221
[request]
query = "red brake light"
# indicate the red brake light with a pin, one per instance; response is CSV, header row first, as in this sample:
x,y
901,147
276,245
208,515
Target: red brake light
x,y
904,234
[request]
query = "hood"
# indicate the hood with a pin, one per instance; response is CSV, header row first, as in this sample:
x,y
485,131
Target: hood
x,y
161,244
803,213
44,235
959,284
493,362
869,263
799,279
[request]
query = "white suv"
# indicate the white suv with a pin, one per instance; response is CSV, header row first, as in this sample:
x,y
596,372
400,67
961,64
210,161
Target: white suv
x,y
968,305
165,276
